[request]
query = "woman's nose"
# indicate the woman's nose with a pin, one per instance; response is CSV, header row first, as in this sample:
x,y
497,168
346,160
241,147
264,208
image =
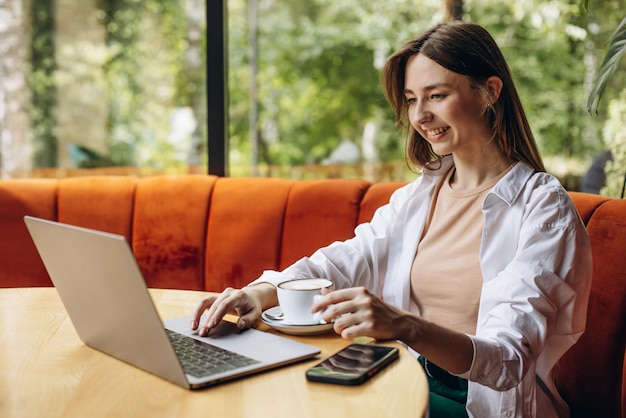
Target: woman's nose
x,y
419,114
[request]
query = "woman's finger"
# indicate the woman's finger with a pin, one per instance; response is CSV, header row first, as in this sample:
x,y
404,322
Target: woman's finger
x,y
201,306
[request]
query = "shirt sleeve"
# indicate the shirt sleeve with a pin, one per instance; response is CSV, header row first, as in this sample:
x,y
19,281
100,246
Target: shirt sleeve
x,y
358,261
534,308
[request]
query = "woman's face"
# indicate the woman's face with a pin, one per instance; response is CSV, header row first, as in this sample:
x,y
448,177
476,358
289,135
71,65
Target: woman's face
x,y
444,108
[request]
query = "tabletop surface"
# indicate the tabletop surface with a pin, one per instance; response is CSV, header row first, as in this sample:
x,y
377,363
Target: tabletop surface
x,y
46,371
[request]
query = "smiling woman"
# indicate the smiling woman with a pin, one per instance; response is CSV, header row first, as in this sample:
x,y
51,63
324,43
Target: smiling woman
x,y
482,266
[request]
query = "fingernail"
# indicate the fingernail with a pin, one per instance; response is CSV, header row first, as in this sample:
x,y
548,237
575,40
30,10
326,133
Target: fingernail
x,y
193,324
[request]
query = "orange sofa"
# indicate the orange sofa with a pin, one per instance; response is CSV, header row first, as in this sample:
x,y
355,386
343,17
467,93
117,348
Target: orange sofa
x,y
205,233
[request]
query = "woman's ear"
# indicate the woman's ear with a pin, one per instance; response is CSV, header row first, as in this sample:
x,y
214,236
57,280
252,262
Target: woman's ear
x,y
493,85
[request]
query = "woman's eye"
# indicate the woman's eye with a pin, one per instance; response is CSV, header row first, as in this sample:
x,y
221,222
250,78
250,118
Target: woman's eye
x,y
410,100
436,97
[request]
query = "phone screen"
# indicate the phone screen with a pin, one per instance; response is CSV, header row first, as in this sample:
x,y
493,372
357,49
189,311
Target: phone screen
x,y
353,365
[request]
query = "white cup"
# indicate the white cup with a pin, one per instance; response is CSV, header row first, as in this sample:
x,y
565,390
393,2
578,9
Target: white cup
x,y
296,298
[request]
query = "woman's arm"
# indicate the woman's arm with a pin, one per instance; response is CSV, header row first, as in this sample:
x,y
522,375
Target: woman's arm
x,y
357,312
536,264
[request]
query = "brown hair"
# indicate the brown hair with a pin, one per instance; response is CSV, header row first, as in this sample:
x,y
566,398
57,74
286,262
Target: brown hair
x,y
467,49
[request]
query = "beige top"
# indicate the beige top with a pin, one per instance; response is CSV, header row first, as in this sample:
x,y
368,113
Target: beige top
x,y
446,279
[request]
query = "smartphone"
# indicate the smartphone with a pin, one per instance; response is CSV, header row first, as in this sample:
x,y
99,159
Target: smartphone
x,y
353,365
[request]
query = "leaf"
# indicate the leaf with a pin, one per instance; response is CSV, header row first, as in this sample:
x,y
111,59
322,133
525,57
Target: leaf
x,y
617,48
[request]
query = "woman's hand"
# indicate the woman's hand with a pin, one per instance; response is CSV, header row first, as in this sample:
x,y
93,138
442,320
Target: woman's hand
x,y
248,303
357,312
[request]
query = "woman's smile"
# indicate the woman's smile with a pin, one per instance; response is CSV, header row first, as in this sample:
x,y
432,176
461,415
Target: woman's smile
x,y
434,134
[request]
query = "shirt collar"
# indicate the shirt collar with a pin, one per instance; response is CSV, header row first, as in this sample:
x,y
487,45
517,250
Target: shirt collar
x,y
507,189
511,185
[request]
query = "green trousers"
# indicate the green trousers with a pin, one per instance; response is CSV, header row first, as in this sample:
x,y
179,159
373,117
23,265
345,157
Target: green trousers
x,y
448,393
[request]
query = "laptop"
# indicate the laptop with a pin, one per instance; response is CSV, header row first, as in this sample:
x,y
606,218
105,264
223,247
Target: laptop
x,y
107,300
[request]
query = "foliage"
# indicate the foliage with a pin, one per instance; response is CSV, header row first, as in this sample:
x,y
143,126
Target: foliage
x,y
318,83
146,43
615,139
550,49
319,64
614,130
615,52
125,92
42,84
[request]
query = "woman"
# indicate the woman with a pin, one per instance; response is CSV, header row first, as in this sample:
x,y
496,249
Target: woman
x,y
481,266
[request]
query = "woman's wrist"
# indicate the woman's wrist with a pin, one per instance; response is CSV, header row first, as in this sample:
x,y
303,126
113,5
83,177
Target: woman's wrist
x,y
265,293
451,350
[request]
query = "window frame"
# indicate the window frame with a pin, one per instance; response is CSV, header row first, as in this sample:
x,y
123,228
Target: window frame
x,y
217,86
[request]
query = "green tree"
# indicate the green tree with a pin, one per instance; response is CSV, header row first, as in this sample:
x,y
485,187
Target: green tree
x,y
319,61
42,85
148,76
318,80
548,45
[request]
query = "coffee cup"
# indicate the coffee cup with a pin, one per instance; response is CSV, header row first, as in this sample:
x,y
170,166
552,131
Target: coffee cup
x,y
296,298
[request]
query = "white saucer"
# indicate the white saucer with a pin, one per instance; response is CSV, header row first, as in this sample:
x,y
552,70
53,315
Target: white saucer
x,y
287,328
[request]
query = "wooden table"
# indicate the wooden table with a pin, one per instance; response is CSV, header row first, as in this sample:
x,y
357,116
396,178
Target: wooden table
x,y
46,371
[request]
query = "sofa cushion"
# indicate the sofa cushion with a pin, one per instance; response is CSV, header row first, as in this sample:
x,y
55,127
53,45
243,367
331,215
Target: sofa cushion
x,y
101,203
586,204
318,213
169,229
377,195
245,229
21,264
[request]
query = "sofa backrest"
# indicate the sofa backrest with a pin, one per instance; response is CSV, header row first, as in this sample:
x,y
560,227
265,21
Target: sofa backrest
x,y
189,232
591,376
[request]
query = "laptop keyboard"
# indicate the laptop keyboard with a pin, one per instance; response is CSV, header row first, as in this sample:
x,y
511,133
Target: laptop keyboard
x,y
200,359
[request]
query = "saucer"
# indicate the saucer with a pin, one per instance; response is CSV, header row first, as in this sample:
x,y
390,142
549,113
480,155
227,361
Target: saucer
x,y
285,327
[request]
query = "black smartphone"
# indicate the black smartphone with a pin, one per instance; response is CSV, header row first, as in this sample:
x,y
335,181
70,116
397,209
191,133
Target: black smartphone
x,y
353,365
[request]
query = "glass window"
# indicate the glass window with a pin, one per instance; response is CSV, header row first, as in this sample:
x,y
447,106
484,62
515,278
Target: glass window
x,y
106,87
120,86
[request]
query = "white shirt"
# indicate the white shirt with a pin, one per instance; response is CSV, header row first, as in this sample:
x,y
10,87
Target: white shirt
x,y
535,258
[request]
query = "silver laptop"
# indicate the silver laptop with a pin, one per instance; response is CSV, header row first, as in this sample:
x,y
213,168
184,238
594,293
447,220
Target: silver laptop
x,y
107,300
